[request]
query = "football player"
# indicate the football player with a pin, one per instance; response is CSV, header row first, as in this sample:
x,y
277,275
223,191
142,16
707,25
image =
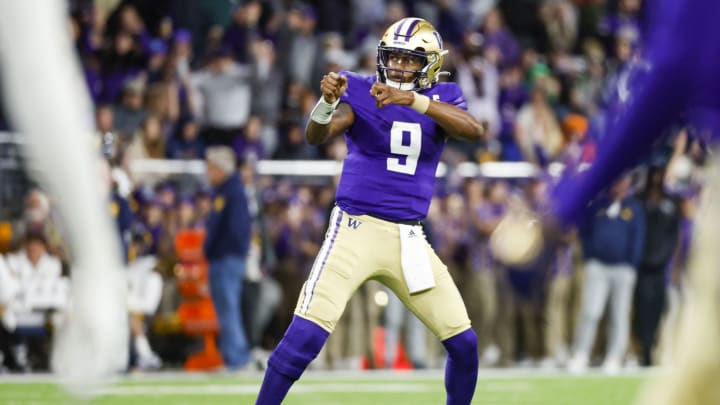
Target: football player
x,y
675,82
682,55
395,125
681,83
49,104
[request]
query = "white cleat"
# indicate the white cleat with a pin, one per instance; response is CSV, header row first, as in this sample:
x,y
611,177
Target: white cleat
x,y
578,364
612,367
490,356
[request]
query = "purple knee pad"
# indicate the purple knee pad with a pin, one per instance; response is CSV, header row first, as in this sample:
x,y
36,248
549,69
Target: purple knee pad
x,y
300,345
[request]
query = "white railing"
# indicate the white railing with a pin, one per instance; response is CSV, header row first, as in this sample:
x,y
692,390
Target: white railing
x,y
318,168
323,168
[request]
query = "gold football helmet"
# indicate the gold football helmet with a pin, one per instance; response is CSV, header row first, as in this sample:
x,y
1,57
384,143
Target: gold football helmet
x,y
416,37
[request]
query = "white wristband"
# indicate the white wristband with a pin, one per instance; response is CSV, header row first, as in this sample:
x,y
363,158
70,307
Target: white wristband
x,y
323,111
420,103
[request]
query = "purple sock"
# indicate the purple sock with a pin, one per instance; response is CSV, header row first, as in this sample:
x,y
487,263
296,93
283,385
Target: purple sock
x,y
300,345
461,368
274,387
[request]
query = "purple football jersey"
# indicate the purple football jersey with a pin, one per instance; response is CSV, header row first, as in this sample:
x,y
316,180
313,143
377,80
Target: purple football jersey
x,y
684,55
393,152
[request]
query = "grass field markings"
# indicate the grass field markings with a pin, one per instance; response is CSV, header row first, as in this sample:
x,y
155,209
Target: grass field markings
x,y
431,377
214,389
504,386
498,391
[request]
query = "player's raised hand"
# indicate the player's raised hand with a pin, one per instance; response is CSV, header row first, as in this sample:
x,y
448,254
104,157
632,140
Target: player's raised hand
x,y
332,86
518,238
385,95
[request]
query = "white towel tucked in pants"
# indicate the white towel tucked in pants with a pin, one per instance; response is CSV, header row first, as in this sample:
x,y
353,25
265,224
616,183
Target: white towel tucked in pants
x,y
414,259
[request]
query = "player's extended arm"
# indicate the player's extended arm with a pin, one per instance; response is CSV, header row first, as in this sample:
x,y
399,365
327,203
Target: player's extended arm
x,y
455,121
329,118
654,105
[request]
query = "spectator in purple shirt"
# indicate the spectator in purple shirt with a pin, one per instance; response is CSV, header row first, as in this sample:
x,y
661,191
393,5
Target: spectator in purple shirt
x,y
187,217
249,146
243,29
626,18
186,143
513,95
153,224
486,288
499,37
157,59
123,60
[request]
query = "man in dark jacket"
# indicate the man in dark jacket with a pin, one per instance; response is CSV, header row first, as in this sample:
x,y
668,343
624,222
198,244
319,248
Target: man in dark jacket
x,y
613,238
226,247
662,229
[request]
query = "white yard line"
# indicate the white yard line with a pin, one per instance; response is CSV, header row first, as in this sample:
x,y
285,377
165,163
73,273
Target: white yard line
x,y
225,389
322,376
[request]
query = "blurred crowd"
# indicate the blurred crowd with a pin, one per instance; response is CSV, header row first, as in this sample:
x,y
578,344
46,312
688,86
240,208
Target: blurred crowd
x,y
170,78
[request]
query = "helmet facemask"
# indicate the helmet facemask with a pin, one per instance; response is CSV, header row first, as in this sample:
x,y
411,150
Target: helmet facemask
x,y
416,38
420,77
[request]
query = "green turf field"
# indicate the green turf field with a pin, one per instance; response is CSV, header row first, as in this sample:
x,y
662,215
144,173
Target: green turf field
x,y
336,389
